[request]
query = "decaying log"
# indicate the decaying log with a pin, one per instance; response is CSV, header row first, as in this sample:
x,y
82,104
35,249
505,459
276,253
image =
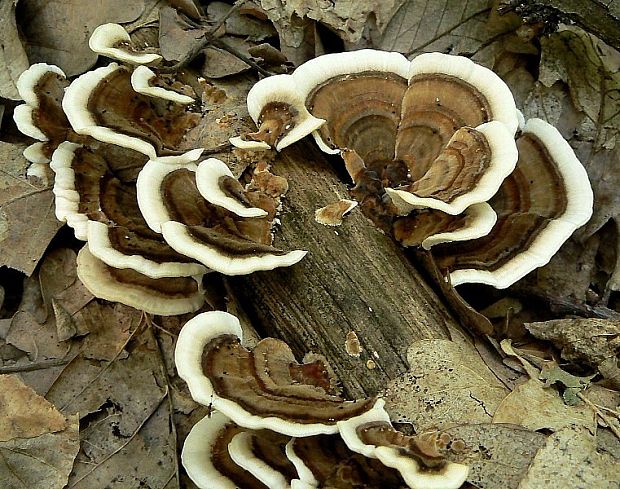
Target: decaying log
x,y
353,279
599,17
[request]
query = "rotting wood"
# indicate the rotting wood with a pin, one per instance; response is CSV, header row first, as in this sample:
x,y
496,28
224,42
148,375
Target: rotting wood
x,y
354,278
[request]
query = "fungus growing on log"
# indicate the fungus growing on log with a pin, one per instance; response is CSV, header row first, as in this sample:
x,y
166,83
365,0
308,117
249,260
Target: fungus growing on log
x,y
113,41
145,81
103,104
539,206
261,388
165,296
198,209
430,147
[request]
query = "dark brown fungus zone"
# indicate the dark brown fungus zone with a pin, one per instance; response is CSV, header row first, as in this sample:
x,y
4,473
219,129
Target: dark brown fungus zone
x,y
103,104
333,464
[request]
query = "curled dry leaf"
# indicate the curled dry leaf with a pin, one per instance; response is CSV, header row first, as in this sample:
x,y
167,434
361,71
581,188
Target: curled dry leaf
x,y
13,59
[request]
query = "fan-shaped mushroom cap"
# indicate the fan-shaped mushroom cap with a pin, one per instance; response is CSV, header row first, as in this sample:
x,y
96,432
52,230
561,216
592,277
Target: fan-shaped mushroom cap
x,y
112,40
372,435
170,201
96,196
143,81
206,459
102,104
41,117
162,296
263,388
469,170
539,206
218,186
431,227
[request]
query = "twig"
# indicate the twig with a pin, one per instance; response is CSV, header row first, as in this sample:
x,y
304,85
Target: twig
x,y
164,372
601,414
133,435
226,47
207,38
43,364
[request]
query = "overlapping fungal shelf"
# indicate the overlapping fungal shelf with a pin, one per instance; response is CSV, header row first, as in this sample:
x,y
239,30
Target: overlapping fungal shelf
x,y
156,219
436,156
277,423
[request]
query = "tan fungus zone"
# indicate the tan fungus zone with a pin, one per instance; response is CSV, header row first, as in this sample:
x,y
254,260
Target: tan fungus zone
x,y
423,449
274,122
106,198
411,230
230,234
269,382
531,197
114,104
334,465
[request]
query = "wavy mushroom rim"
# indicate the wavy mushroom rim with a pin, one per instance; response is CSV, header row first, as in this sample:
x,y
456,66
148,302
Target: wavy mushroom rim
x,y
93,274
106,36
305,477
483,218
75,105
196,452
178,236
141,82
67,199
208,175
100,246
23,117
27,81
148,185
488,83
578,211
36,154
240,451
504,156
194,336
409,469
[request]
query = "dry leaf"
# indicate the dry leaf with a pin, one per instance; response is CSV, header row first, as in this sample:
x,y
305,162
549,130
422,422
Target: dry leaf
x,y
535,407
570,459
446,385
177,38
498,455
237,24
24,413
57,31
43,462
445,26
13,59
219,63
27,225
190,8
595,342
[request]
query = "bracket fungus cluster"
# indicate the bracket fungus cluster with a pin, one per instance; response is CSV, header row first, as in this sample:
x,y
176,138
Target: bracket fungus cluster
x,y
156,217
280,424
439,156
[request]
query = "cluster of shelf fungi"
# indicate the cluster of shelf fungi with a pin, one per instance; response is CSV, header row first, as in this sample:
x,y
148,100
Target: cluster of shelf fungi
x,y
440,158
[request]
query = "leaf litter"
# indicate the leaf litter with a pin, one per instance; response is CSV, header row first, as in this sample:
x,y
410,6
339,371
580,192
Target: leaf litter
x,y
109,368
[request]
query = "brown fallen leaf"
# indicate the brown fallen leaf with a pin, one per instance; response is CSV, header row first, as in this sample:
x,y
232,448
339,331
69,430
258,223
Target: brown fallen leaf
x,y
456,28
177,38
44,462
535,407
570,459
57,31
13,59
238,24
446,385
25,414
219,63
27,225
191,8
595,342
498,455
